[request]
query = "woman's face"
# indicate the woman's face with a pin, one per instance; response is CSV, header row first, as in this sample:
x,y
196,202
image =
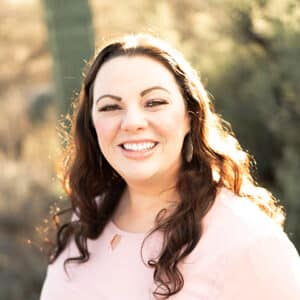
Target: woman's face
x,y
140,118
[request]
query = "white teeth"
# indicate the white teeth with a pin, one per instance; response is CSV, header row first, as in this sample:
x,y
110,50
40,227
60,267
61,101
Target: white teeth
x,y
138,147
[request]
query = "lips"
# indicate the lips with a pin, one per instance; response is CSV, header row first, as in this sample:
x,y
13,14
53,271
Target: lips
x,y
138,149
139,145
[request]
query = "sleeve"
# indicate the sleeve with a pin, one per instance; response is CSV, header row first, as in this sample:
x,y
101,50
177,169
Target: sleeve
x,y
269,269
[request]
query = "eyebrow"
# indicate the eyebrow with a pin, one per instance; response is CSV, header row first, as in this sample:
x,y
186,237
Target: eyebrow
x,y
142,93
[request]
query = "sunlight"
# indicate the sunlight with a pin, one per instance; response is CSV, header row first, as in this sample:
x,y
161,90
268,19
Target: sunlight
x,y
17,2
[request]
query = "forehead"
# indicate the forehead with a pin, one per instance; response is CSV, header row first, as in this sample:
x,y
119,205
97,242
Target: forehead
x,y
135,73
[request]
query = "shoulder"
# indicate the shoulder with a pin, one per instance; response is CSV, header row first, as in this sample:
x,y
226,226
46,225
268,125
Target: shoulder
x,y
243,254
234,224
239,218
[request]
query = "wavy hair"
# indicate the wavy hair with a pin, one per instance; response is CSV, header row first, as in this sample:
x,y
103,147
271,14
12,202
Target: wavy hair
x,y
218,161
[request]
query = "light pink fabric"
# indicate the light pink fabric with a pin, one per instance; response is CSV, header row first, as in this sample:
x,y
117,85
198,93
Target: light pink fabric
x,y
242,255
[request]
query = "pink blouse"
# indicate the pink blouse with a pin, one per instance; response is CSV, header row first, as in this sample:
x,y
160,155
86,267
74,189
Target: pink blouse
x,y
242,255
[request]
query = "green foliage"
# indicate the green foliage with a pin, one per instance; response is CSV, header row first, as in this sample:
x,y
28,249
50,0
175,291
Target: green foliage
x,y
257,89
71,40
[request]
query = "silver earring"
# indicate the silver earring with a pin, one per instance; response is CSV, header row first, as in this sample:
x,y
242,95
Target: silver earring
x,y
189,148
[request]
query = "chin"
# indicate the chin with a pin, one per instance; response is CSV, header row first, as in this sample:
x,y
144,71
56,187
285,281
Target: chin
x,y
135,176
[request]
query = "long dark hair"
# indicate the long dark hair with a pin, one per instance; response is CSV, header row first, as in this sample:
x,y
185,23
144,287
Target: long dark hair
x,y
218,161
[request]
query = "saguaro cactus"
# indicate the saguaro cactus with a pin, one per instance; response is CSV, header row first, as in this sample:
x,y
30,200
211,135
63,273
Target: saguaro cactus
x,y
71,41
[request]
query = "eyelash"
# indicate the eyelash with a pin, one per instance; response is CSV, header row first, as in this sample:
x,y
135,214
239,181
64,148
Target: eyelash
x,y
156,102
150,103
108,107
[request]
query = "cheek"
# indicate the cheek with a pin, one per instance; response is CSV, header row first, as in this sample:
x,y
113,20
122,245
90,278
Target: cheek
x,y
173,125
105,131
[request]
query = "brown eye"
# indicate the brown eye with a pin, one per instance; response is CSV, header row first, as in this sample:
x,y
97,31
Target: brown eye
x,y
156,102
109,107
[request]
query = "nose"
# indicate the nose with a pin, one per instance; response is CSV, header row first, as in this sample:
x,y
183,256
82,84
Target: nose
x,y
133,120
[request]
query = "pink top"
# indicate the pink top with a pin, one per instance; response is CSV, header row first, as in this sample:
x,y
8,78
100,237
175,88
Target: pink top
x,y
242,255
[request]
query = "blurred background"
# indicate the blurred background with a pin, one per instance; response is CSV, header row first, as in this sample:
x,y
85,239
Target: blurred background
x,y
248,55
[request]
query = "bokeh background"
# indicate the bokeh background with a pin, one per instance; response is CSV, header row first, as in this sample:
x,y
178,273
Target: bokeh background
x,y
248,55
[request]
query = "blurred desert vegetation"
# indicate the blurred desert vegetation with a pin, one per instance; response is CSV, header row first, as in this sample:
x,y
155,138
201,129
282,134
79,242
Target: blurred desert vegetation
x,y
247,53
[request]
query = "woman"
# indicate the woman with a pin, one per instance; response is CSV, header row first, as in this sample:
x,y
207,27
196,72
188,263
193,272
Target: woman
x,y
164,204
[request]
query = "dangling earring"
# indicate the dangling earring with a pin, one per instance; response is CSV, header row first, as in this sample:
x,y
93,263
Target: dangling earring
x,y
189,148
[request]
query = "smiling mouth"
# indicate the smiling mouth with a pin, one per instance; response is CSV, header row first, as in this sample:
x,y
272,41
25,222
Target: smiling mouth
x,y
140,147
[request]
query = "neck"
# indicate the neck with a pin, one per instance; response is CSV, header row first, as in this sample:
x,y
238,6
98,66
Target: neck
x,y
141,201
140,204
